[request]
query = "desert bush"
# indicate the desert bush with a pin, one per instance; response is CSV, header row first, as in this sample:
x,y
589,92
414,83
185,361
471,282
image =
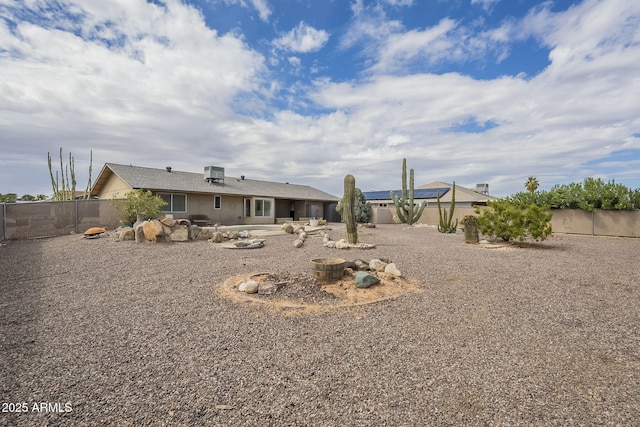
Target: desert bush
x,y
139,202
512,221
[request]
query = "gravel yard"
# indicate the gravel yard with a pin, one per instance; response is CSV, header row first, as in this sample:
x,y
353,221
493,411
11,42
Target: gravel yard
x,y
101,332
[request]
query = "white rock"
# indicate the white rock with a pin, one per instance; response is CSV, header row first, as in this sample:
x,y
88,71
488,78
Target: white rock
x,y
342,244
392,269
330,244
377,265
298,243
246,285
251,287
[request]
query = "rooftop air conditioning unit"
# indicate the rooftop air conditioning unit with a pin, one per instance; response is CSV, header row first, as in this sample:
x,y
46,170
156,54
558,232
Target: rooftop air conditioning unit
x,y
213,174
482,188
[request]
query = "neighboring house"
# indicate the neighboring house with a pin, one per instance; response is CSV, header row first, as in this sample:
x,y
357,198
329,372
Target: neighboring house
x,y
465,197
222,199
384,209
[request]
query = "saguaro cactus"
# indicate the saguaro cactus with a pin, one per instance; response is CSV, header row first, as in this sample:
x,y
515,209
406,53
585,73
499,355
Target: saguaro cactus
x,y
348,208
406,210
446,224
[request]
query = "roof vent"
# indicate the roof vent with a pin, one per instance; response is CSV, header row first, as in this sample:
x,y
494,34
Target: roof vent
x,y
482,188
214,174
168,168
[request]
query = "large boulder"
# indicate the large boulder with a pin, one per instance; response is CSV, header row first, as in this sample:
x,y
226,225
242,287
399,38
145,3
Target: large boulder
x,y
204,234
179,233
139,232
194,232
153,231
287,228
217,237
126,233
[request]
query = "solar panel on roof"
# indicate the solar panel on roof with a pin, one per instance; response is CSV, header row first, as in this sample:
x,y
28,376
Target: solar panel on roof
x,y
420,193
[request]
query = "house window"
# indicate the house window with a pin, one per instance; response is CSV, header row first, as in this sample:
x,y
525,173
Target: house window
x,y
263,207
217,202
175,202
247,207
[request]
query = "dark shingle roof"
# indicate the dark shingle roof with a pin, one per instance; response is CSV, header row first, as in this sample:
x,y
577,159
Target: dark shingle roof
x,y
189,182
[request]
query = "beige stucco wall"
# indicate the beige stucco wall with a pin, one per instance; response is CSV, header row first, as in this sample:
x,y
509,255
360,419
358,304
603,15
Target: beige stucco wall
x,y
598,223
231,210
114,188
620,223
575,221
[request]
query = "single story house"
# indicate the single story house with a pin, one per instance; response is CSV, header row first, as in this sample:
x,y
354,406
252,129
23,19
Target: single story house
x,y
384,209
219,198
465,197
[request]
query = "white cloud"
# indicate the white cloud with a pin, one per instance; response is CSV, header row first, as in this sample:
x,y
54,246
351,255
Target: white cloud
x,y
368,28
154,86
262,6
303,39
486,4
433,44
399,2
582,107
155,78
263,9
390,48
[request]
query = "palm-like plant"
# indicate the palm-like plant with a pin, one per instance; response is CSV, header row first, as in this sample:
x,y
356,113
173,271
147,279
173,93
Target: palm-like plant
x,y
532,184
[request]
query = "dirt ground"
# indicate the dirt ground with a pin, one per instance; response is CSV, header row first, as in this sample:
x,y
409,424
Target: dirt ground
x,y
102,332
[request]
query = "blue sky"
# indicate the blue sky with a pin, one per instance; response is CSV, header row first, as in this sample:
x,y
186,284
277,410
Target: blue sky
x,y
305,91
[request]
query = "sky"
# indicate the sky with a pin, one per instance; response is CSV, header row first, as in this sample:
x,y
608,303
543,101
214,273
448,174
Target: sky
x,y
307,91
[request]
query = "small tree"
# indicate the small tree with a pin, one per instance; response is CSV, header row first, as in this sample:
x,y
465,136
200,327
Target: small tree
x,y
510,221
8,198
139,204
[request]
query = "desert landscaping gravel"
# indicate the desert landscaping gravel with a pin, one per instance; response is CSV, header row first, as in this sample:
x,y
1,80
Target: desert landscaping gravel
x,y
102,332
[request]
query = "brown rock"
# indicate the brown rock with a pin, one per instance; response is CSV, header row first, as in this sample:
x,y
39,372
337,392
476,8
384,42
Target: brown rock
x,y
95,231
153,230
179,233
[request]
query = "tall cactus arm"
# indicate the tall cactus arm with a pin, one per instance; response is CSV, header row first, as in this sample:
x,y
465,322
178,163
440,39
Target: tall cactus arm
x,y
400,207
348,202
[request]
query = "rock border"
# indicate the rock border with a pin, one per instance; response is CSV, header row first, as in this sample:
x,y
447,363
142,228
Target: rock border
x,y
350,297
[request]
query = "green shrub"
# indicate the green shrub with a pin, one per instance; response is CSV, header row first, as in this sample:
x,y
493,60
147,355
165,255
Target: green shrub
x,y
139,202
591,194
512,221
